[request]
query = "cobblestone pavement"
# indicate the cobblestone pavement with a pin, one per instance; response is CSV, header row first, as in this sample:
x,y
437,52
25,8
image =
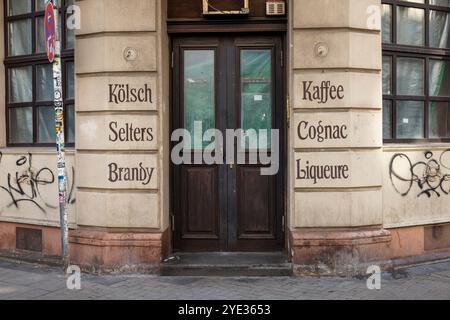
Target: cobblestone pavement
x,y
25,281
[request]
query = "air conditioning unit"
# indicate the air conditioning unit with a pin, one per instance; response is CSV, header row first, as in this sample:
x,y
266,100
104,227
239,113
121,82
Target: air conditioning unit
x,y
275,8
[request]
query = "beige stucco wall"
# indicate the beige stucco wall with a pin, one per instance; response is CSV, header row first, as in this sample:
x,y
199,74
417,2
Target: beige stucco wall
x,y
372,195
28,176
110,31
29,186
352,65
412,193
367,197
100,48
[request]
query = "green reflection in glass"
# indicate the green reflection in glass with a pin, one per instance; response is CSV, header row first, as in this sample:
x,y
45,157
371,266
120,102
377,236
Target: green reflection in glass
x,y
256,96
199,94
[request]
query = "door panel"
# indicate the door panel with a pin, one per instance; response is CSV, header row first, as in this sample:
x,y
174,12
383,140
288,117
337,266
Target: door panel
x,y
254,210
255,207
200,203
196,202
228,82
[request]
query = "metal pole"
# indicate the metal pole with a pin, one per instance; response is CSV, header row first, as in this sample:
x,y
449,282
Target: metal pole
x,y
60,141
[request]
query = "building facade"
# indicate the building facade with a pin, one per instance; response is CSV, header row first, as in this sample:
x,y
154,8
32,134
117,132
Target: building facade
x,y
357,90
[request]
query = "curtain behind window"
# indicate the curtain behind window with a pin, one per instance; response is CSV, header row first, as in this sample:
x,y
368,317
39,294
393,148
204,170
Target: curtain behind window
x,y
439,37
20,84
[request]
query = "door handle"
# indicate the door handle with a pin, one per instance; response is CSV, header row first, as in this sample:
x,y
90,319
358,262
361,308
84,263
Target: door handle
x,y
231,166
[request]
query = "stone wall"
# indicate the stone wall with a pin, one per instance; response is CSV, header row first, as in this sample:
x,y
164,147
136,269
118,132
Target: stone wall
x,y
336,138
336,100
28,180
120,102
344,189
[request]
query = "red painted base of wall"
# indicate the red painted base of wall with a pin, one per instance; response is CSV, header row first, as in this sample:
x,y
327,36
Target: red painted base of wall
x,y
51,238
349,252
118,252
314,251
97,251
344,252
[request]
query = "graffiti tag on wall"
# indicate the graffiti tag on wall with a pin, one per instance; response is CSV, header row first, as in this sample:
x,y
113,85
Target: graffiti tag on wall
x,y
428,177
25,184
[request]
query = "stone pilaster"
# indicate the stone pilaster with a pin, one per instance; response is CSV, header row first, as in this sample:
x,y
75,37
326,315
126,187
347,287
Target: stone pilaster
x,y
119,103
336,135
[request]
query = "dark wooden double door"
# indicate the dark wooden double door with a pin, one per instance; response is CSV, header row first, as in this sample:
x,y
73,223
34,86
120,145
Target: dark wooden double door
x,y
228,82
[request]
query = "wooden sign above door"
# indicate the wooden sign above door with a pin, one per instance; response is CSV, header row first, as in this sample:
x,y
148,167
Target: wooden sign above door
x,y
224,7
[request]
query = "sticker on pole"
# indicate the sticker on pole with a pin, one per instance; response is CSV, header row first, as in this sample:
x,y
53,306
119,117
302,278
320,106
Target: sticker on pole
x,y
50,32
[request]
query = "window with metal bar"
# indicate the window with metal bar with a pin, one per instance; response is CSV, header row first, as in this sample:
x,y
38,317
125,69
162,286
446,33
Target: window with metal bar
x,y
416,70
29,76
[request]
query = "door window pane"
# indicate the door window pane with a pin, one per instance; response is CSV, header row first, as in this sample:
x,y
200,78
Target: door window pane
x,y
16,7
20,84
439,119
410,26
19,37
199,94
256,96
410,119
46,125
387,116
20,125
439,78
439,29
44,82
387,74
386,29
410,76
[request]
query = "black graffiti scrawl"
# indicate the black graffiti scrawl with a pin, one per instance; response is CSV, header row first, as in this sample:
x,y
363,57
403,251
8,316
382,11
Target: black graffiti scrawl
x,y
428,177
25,182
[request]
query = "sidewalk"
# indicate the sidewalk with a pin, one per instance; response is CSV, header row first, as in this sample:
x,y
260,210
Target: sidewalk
x,y
26,281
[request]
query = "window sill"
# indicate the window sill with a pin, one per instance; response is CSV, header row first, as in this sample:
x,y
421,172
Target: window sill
x,y
33,150
416,146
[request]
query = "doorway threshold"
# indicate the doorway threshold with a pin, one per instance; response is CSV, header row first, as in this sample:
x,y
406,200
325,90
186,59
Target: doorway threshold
x,y
227,264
